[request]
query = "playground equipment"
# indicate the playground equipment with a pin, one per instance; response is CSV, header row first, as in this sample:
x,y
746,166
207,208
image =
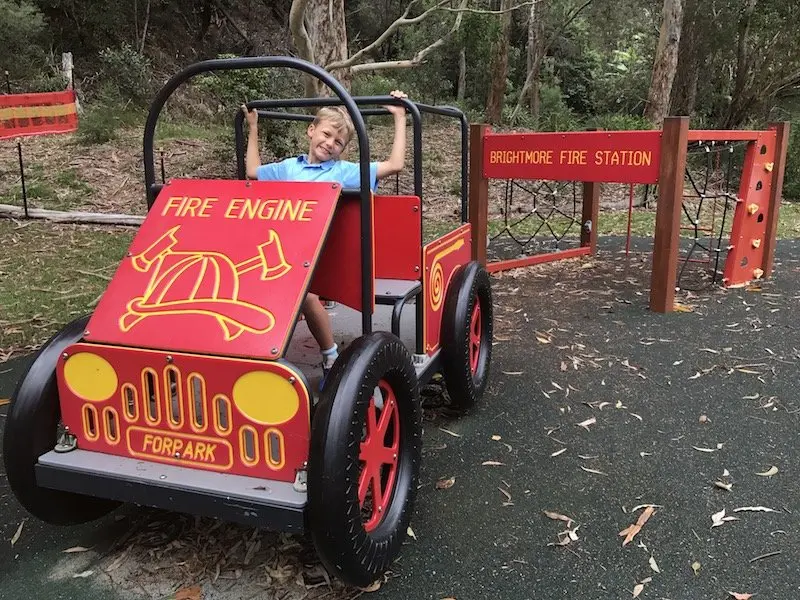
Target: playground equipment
x,y
641,157
181,391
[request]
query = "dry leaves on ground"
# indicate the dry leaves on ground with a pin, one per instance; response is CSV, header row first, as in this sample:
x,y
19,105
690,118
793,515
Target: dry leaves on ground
x,y
631,531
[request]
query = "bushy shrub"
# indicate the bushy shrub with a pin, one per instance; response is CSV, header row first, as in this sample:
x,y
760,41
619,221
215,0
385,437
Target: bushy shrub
x,y
128,71
617,122
233,88
22,38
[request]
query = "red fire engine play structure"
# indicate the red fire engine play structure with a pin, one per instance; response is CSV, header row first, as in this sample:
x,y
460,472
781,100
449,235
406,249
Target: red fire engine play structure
x,y
179,392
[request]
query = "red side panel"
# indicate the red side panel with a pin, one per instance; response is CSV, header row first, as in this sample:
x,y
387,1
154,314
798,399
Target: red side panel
x,y
442,257
196,411
37,114
217,267
745,260
338,273
398,237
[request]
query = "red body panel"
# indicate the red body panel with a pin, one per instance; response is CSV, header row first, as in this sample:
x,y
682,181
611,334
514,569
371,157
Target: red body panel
x,y
441,258
37,114
199,437
217,267
398,237
609,156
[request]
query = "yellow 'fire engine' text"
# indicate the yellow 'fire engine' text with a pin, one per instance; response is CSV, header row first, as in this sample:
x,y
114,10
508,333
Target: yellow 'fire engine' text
x,y
270,210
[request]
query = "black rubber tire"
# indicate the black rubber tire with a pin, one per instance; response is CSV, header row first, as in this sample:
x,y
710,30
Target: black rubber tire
x,y
470,284
354,551
31,430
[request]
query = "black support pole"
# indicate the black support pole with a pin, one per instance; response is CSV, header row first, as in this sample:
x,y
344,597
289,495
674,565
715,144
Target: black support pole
x,y
22,177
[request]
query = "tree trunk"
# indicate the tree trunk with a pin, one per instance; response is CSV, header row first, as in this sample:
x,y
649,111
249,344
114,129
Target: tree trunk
x,y
320,36
499,68
534,62
462,74
666,62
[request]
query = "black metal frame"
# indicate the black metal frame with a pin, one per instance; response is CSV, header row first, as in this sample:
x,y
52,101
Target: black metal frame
x,y
227,64
162,495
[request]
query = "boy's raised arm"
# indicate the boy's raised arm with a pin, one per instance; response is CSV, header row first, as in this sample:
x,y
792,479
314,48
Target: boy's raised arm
x,y
397,158
252,159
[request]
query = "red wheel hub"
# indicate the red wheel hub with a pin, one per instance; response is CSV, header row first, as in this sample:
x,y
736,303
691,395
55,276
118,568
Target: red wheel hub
x,y
475,337
379,456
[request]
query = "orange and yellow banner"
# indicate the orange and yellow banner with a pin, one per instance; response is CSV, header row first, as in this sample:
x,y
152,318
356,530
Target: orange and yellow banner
x,y
37,114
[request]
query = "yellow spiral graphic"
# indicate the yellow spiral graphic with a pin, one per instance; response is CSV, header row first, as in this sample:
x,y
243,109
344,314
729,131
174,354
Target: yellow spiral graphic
x,y
437,286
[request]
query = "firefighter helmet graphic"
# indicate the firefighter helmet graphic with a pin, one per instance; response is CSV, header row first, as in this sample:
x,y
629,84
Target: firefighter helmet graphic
x,y
203,283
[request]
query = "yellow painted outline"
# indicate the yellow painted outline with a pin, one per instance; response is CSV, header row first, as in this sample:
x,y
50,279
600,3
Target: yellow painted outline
x,y
113,441
88,408
226,402
179,391
192,404
180,461
146,396
463,233
281,449
256,446
128,417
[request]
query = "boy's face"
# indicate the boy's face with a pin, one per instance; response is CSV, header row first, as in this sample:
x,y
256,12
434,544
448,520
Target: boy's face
x,y
325,142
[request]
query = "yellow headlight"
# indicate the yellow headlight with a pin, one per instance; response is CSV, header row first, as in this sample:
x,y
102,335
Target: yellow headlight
x,y
90,377
266,398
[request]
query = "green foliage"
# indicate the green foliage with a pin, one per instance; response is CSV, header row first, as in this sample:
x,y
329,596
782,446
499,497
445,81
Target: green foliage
x,y
128,71
617,122
791,180
232,88
23,37
101,122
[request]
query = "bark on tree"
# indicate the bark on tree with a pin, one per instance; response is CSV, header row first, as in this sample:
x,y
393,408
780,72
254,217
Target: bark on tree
x,y
535,50
666,62
461,89
320,35
499,68
741,102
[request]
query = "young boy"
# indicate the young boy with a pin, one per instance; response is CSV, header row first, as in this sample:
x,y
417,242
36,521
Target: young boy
x,y
328,136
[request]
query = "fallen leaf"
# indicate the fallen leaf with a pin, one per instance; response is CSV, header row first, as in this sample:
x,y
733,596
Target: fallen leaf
x,y
772,471
631,531
17,534
558,517
654,565
496,438
724,486
739,596
4,401
83,574
410,533
372,587
696,567
492,463
638,589
513,372
189,593
585,424
678,307
445,484
557,452
754,509
704,449
447,431
75,549
719,518
595,471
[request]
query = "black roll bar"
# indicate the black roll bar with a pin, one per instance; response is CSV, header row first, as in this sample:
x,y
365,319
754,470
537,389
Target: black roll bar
x,y
256,62
265,108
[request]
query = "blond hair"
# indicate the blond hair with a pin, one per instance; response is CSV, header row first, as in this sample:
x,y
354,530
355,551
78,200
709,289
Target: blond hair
x,y
338,117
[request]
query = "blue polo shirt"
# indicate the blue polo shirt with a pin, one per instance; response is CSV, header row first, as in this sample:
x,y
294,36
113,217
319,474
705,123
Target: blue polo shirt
x,y
299,169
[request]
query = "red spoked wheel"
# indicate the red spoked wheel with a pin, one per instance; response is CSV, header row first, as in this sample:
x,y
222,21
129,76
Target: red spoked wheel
x,y
466,338
363,465
378,455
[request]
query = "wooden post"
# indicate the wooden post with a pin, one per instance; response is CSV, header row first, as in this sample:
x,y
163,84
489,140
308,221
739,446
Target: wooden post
x,y
591,212
668,213
478,192
67,73
778,170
